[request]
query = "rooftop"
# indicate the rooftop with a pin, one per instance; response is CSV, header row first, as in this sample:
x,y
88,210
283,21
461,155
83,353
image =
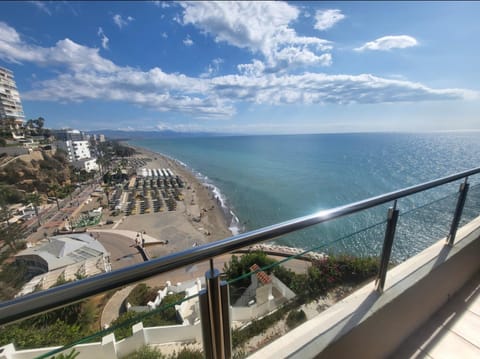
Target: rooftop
x,y
63,250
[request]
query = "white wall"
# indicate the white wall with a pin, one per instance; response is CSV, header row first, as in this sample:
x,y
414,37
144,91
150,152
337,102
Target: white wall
x,y
109,348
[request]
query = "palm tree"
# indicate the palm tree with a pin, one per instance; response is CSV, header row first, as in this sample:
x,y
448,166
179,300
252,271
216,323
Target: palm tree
x,y
35,200
39,122
11,234
54,189
107,193
29,126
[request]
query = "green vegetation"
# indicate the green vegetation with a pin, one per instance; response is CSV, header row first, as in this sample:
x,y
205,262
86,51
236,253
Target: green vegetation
x,y
240,267
142,294
147,352
12,235
256,327
324,275
70,355
58,327
120,150
12,278
37,175
35,127
295,318
9,194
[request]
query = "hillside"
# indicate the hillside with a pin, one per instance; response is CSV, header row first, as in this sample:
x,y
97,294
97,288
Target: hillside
x,y
39,171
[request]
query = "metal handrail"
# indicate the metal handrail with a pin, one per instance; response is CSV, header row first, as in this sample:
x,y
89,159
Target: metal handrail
x,y
39,302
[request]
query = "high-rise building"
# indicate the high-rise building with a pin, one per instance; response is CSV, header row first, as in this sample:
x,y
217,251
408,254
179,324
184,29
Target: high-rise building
x,y
11,111
76,145
76,150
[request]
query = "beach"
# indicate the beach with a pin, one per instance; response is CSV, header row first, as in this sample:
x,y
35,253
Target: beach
x,y
198,218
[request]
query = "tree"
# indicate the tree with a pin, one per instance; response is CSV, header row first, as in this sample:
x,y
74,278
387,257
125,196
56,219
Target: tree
x,y
107,194
54,188
29,126
8,195
238,270
39,122
12,234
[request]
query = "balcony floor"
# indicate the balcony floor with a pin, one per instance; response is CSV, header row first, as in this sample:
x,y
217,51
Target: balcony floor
x,y
452,332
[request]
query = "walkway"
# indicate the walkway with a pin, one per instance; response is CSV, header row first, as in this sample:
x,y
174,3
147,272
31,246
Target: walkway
x,y
453,332
129,234
111,311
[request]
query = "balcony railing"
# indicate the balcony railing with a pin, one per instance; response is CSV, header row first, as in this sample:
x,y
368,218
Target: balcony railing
x,y
214,299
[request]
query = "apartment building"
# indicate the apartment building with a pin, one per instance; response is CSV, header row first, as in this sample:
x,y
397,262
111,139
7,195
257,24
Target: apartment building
x,y
76,145
11,110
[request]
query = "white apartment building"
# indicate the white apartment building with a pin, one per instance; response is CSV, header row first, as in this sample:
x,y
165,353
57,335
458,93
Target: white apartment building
x,y
76,150
77,147
88,165
11,110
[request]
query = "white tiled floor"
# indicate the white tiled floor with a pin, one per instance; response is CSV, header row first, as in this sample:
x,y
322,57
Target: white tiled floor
x,y
453,332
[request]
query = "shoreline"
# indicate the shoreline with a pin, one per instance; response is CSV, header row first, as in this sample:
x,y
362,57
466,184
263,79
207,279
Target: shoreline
x,y
230,217
199,218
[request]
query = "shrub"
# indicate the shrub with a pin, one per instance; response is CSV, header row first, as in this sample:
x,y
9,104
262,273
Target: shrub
x,y
236,268
125,322
146,352
161,316
70,355
188,354
142,294
295,318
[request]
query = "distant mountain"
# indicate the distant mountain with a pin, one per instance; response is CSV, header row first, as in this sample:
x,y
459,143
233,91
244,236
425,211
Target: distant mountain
x,y
141,135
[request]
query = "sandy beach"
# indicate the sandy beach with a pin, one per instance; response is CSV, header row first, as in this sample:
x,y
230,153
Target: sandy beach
x,y
198,219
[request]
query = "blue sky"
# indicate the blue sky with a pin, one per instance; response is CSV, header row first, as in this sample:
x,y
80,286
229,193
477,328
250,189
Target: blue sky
x,y
259,67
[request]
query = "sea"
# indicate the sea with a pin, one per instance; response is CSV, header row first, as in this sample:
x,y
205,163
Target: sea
x,y
263,180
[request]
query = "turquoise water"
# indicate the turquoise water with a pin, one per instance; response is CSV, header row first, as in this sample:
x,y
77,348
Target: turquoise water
x,y
268,179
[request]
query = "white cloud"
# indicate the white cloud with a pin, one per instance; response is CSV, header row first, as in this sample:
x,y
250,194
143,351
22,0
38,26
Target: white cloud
x,y
212,68
325,19
42,7
83,74
318,88
255,69
103,37
162,4
188,41
65,53
121,22
389,42
164,35
262,27
180,127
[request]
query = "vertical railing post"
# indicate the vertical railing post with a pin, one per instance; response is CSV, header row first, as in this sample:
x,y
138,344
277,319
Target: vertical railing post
x,y
215,318
392,218
462,196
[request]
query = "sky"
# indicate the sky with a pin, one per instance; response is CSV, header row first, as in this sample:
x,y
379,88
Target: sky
x,y
246,67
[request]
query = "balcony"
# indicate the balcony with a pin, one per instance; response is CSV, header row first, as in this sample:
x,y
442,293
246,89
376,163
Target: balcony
x,y
376,319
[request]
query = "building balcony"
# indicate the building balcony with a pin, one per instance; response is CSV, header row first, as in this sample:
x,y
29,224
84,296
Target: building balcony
x,y
380,318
